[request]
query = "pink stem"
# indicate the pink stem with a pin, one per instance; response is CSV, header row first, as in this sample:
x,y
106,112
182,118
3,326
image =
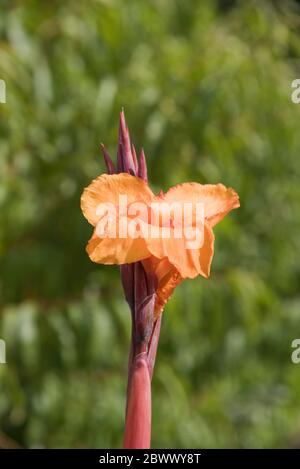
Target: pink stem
x,y
138,415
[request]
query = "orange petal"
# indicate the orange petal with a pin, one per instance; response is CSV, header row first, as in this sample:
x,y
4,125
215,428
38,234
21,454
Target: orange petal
x,y
218,200
167,277
207,250
188,262
116,250
106,189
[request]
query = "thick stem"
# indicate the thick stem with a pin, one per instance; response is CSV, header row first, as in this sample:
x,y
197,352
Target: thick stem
x,y
139,289
138,415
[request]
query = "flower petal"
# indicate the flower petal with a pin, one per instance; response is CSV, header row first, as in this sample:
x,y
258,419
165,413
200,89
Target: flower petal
x,y
168,278
218,200
188,262
106,189
116,250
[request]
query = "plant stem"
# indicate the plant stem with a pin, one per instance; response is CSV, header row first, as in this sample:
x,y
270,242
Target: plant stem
x,y
138,414
144,341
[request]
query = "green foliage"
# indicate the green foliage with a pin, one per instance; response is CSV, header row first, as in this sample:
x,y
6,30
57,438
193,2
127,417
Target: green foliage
x,y
206,90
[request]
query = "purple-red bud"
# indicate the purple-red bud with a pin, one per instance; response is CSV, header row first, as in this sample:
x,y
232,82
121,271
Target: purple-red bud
x,y
142,173
108,161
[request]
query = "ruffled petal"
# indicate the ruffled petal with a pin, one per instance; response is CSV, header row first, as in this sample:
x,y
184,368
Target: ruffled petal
x,y
100,205
116,250
106,190
218,200
188,262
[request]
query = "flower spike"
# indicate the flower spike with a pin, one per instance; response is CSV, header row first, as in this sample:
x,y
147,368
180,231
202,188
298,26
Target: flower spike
x,y
153,258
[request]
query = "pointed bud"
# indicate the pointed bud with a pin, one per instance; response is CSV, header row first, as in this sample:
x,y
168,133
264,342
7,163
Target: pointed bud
x,y
125,146
120,160
108,161
134,158
143,167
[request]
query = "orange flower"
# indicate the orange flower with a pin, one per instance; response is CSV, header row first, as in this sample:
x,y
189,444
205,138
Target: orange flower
x,y
169,257
158,240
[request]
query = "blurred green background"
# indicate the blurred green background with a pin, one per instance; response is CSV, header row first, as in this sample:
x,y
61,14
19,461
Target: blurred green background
x,y
206,87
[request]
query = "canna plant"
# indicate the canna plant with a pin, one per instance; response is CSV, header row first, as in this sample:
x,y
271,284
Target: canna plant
x,y
156,252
